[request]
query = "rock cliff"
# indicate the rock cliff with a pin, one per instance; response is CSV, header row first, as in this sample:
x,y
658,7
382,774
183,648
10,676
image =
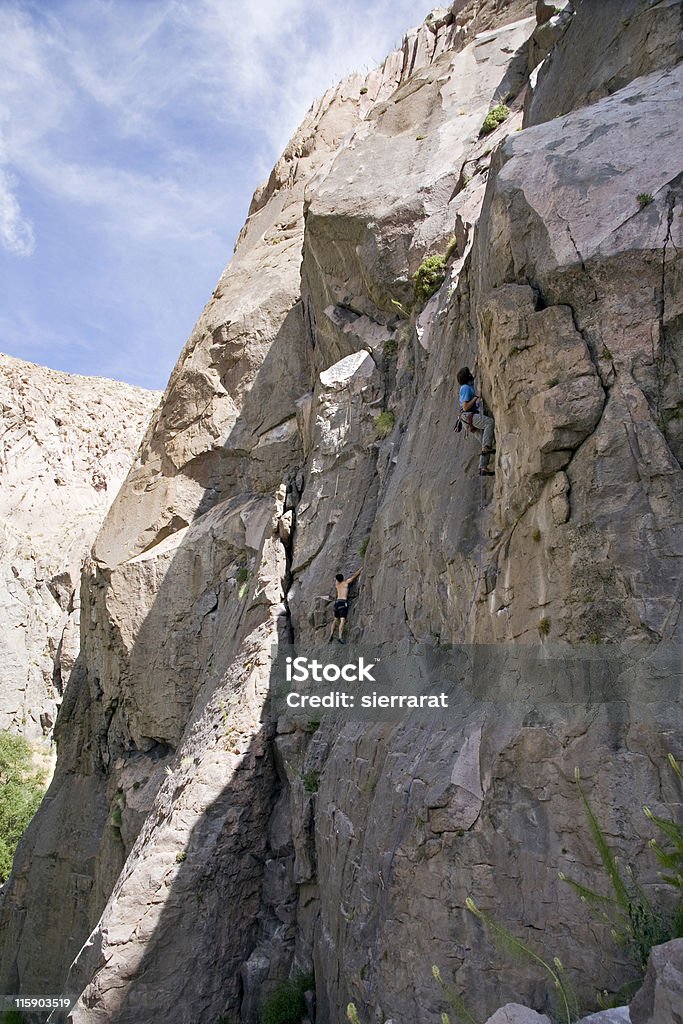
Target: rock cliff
x,y
67,445
188,855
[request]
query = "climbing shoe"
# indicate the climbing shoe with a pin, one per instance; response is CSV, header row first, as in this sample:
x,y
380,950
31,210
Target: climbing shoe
x,y
486,472
339,640
488,451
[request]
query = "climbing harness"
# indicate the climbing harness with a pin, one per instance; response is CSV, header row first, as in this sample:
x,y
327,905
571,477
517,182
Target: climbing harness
x,y
463,421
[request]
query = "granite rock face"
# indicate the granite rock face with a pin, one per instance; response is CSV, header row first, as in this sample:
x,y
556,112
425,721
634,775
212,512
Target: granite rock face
x,y
661,997
67,445
513,1013
308,429
611,44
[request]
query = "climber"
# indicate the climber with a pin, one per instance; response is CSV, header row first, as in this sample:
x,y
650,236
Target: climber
x,y
472,416
341,604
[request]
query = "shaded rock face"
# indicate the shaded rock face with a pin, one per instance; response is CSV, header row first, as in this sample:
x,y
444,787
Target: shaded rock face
x,y
67,444
610,44
211,853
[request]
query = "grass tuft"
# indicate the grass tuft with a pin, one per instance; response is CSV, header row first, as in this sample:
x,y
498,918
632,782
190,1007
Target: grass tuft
x,y
311,782
385,423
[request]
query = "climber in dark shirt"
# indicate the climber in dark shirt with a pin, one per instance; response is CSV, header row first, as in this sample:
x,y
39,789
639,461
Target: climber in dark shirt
x,y
341,604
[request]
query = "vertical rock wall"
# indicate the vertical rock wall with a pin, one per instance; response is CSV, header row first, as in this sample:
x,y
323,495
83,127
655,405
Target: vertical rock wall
x,y
212,865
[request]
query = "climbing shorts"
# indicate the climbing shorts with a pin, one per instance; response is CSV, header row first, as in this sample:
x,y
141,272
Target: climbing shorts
x,y
340,609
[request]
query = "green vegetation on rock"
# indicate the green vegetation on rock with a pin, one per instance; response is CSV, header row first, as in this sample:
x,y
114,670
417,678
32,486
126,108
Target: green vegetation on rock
x,y
385,423
494,118
21,790
429,277
286,1004
637,921
13,1017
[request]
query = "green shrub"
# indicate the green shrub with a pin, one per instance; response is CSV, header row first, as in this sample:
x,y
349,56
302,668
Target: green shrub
x,y
286,1004
536,535
494,118
429,277
364,90
385,423
21,790
363,547
544,626
644,199
553,382
242,575
311,782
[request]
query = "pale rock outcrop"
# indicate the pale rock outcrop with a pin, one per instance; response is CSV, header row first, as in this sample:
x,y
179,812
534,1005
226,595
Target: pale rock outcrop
x,y
513,1013
661,995
620,1015
67,444
350,848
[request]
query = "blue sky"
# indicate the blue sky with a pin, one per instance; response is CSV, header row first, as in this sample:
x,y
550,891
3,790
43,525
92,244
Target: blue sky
x,y
132,136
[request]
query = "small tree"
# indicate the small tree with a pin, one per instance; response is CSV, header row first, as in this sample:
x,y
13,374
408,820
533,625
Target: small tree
x,y
21,790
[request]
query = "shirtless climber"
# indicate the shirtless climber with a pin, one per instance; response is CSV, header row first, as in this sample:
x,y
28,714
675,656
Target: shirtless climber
x,y
472,418
341,605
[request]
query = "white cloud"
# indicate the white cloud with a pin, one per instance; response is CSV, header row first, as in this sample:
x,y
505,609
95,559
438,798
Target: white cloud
x,y
85,87
271,60
16,233
131,137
